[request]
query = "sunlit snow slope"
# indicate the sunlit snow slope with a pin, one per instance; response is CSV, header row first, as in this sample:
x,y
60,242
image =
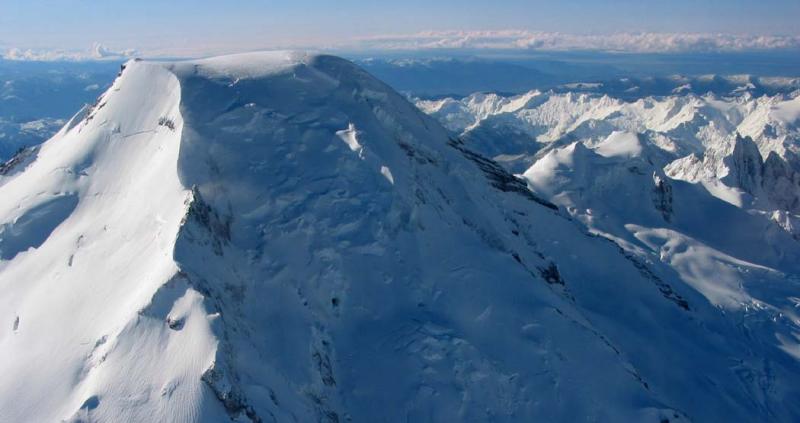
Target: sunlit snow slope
x,y
281,237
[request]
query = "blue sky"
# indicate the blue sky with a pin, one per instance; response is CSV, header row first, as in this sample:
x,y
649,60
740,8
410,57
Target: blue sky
x,y
198,25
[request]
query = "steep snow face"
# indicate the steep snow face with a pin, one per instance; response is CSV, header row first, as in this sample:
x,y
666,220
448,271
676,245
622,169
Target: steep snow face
x,y
281,237
87,235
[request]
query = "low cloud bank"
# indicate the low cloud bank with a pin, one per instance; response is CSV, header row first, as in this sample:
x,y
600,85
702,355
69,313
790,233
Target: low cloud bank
x,y
520,40
555,41
97,52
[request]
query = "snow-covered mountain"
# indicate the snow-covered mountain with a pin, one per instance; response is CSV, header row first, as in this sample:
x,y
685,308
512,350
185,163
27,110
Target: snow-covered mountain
x,y
633,88
678,124
708,186
745,149
282,237
36,97
622,169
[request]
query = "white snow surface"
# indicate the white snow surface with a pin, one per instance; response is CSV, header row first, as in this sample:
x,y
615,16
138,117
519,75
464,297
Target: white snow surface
x,y
625,144
205,244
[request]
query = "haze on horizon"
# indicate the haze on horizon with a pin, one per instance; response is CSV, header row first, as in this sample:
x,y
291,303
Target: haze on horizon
x,y
184,27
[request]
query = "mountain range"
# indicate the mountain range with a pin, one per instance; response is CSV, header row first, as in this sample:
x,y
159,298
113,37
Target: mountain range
x,y
283,237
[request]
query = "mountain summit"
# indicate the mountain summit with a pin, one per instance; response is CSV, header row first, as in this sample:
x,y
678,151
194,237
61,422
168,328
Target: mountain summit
x,y
281,237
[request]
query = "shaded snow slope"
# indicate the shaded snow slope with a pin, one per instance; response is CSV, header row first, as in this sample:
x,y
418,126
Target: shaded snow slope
x,y
281,237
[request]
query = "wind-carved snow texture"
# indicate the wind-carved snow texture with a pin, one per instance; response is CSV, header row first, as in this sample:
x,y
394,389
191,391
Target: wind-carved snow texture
x,y
246,263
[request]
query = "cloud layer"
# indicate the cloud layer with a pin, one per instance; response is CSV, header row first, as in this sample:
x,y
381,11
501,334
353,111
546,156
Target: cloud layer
x,y
554,41
520,40
97,52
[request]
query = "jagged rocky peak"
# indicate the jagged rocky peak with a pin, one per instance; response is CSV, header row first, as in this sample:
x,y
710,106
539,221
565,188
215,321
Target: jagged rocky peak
x,y
781,182
662,196
772,183
744,165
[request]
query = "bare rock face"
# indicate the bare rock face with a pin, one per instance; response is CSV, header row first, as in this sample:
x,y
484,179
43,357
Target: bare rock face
x,y
662,196
781,182
745,168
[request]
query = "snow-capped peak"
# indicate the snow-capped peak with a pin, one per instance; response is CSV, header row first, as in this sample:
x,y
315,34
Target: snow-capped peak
x,y
282,237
